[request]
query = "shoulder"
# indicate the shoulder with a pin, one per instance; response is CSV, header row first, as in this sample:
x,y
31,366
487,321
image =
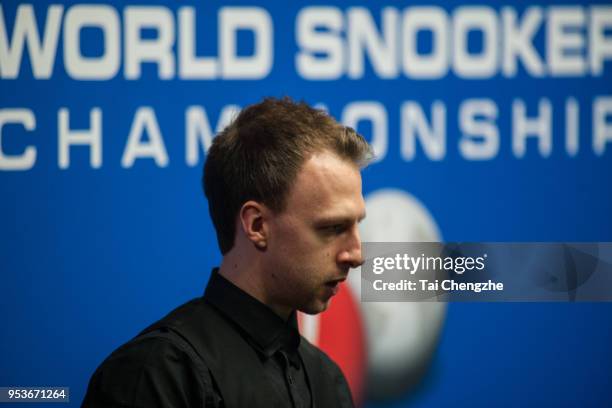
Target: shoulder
x,y
156,350
154,369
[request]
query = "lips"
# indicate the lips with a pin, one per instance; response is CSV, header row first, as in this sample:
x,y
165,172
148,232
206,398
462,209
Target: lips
x,y
333,282
334,285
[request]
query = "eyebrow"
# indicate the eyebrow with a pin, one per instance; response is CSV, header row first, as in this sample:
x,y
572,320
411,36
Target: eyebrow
x,y
338,220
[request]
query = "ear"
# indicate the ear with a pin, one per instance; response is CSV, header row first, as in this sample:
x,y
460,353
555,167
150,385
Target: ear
x,y
253,219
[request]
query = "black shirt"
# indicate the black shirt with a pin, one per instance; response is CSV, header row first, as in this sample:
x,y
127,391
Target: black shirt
x,y
224,349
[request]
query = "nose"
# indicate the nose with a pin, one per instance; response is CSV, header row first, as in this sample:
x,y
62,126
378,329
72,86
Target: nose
x,y
351,254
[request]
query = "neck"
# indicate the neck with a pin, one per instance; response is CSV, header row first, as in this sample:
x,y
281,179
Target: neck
x,y
252,280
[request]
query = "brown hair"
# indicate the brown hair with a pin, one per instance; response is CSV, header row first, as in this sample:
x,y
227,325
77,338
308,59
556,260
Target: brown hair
x,y
258,156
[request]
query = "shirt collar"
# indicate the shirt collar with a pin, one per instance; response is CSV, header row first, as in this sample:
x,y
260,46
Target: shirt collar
x,y
265,329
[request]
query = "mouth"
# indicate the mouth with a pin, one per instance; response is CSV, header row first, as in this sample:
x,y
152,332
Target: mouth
x,y
336,281
334,285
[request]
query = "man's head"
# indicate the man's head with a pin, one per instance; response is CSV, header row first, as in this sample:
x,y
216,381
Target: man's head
x,y
283,186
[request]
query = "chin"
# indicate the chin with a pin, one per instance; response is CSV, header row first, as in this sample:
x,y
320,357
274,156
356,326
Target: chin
x,y
314,309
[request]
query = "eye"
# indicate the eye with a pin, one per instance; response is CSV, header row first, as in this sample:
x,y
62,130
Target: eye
x,y
336,229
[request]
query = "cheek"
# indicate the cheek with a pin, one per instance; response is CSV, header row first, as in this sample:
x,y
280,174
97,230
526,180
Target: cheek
x,y
299,246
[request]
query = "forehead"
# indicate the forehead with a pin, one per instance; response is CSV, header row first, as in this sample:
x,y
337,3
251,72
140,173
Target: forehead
x,y
327,186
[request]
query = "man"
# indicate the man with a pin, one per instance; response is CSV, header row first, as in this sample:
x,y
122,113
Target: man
x,y
284,192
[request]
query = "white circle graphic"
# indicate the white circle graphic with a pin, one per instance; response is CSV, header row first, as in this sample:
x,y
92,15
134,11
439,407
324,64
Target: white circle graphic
x,y
402,336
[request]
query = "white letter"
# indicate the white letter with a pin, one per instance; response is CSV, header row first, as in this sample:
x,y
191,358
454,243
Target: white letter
x,y
374,112
480,136
26,160
540,127
91,137
190,66
602,133
362,34
26,30
145,120
434,65
483,64
257,20
518,41
414,124
377,265
600,44
103,17
328,42
139,50
565,48
571,126
199,131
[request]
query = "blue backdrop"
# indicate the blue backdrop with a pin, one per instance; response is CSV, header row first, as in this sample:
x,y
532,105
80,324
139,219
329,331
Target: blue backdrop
x,y
92,254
